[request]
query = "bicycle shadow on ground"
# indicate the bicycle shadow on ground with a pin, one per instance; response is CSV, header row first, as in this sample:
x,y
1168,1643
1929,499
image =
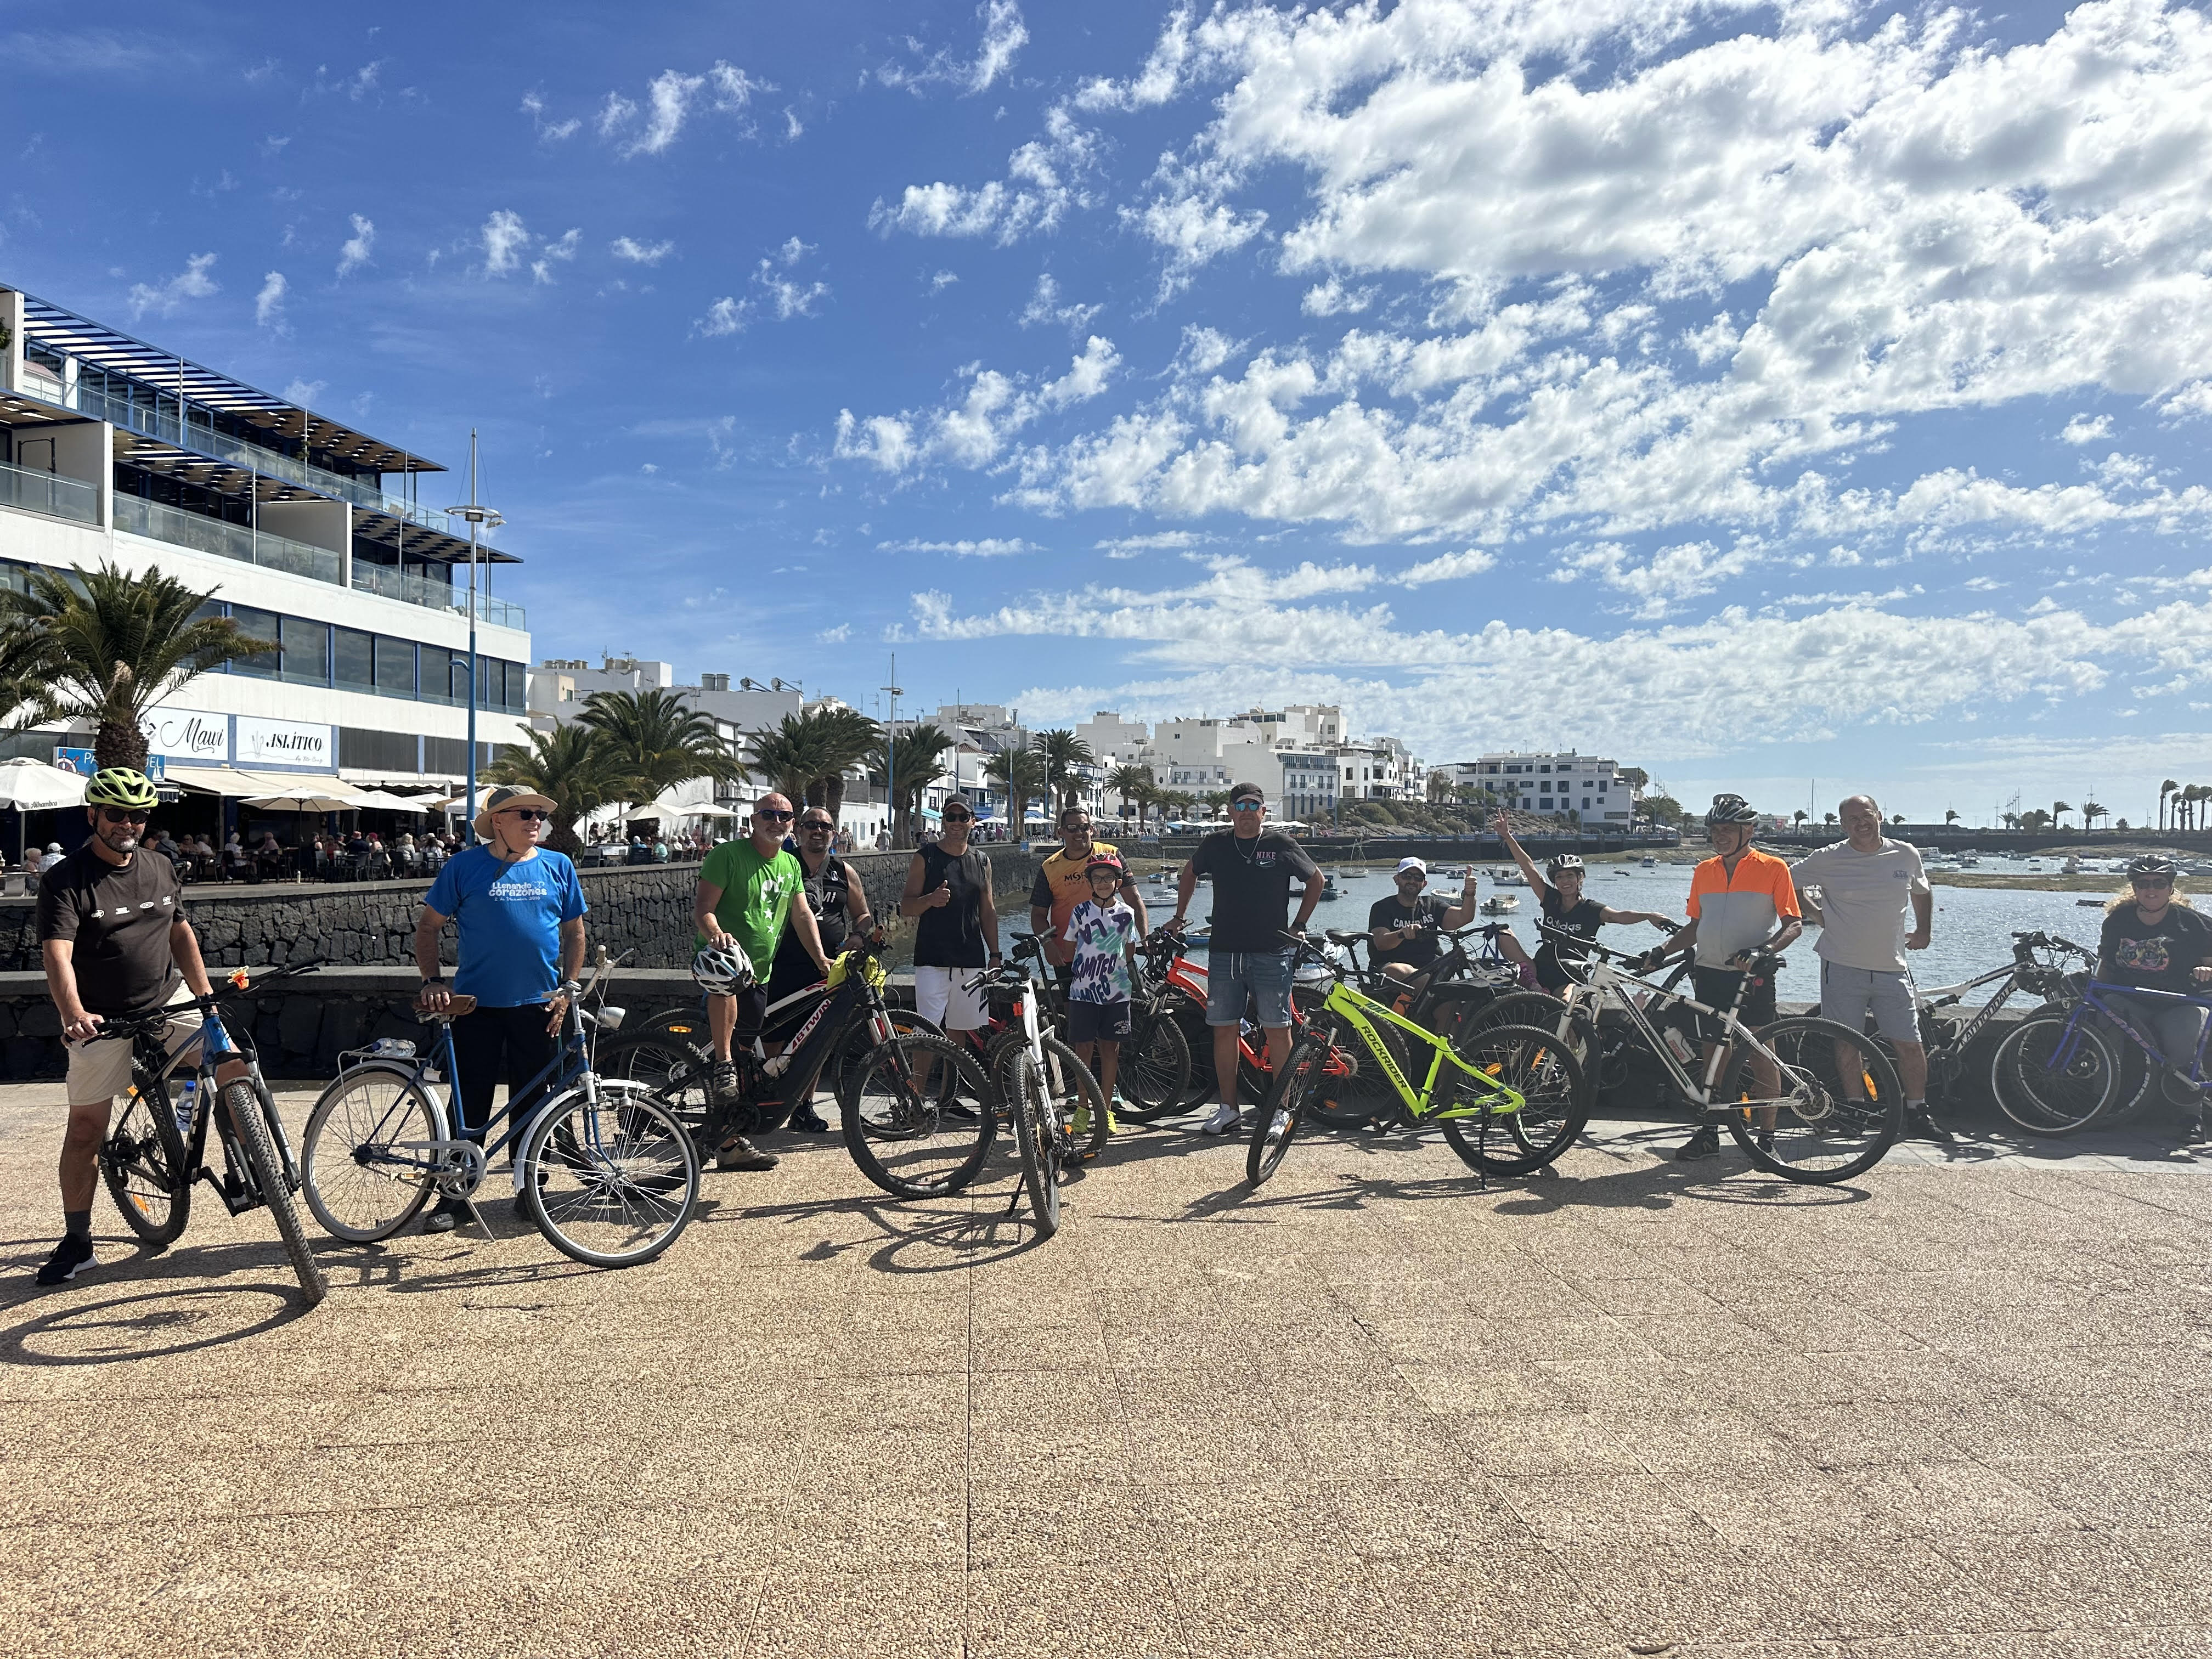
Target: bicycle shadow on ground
x,y
1641,1182
970,1229
152,1322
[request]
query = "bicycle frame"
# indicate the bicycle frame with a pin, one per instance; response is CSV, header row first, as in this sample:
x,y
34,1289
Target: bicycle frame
x,y
1605,983
1360,1012
2092,1003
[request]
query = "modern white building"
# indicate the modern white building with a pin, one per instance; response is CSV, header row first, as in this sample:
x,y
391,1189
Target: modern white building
x,y
1581,787
309,533
1309,783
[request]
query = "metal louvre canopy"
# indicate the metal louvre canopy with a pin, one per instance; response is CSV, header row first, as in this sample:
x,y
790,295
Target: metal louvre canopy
x,y
111,348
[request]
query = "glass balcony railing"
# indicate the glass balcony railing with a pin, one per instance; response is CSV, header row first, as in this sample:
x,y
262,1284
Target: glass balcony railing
x,y
441,596
226,541
48,492
160,422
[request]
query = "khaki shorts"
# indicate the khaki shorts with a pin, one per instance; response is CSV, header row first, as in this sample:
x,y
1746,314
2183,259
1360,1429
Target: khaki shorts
x,y
101,1070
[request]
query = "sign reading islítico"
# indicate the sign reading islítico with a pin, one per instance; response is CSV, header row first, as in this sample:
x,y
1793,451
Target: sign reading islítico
x,y
282,742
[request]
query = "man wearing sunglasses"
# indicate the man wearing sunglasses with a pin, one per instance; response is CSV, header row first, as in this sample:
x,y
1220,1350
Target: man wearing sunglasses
x,y
1252,869
745,894
113,936
948,897
519,910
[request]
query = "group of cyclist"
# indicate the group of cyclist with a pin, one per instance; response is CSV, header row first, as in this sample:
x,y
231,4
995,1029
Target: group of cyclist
x,y
117,946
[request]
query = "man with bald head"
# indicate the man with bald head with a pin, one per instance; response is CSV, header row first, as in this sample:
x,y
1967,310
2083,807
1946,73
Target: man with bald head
x,y
1873,905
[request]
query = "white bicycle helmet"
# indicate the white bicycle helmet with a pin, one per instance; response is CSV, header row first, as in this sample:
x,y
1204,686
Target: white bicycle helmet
x,y
723,969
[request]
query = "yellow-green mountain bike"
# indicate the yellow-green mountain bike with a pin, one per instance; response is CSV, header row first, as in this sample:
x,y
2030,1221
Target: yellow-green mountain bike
x,y
1510,1098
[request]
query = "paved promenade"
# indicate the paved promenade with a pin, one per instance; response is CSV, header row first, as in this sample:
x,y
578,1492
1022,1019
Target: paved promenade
x,y
1635,1408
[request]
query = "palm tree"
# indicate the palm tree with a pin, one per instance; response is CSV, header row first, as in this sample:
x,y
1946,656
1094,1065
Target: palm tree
x,y
1130,781
2164,790
2059,808
1800,817
2034,819
656,738
26,658
1828,819
576,768
846,738
119,646
919,753
1062,752
2090,813
2189,797
1021,772
791,756
1950,816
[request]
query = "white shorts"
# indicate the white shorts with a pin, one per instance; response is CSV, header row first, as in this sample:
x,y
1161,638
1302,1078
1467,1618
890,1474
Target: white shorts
x,y
101,1070
940,998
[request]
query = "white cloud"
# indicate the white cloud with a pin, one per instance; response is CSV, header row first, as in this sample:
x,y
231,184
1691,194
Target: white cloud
x,y
505,241
1332,298
552,132
303,393
993,547
1044,307
353,254
943,280
192,283
1450,568
837,635
561,249
269,304
1004,36
1668,576
1155,82
1128,547
670,98
975,431
728,315
640,254
2083,430
1045,178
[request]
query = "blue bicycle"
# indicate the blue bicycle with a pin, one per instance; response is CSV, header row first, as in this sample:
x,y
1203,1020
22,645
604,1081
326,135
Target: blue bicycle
x,y
601,1164
2059,1072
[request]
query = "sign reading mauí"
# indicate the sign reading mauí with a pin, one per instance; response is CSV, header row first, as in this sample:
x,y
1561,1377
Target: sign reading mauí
x,y
188,734
282,742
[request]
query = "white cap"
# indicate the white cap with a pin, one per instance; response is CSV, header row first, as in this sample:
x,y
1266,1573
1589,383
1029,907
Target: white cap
x,y
1406,863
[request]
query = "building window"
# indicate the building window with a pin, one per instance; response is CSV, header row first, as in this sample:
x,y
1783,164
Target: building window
x,y
353,656
395,666
306,651
256,625
376,751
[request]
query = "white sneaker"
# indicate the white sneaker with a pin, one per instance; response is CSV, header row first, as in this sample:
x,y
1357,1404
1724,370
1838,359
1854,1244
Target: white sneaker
x,y
1223,1121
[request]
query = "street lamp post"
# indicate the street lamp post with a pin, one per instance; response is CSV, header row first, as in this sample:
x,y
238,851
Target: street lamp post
x,y
890,750
477,516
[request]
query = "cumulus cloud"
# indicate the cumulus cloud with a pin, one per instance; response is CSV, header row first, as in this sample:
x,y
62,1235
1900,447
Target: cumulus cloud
x,y
163,298
640,254
992,547
776,289
1449,568
1044,307
354,253
1004,35
671,97
269,304
506,238
975,430
2083,430
560,250
552,132
1045,178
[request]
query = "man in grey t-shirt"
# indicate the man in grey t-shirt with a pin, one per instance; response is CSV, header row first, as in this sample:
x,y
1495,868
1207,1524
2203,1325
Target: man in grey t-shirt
x,y
1868,887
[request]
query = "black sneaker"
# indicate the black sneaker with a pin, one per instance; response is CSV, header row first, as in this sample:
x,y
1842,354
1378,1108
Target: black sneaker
x,y
1764,1140
1705,1143
808,1121
1919,1125
70,1257
449,1214
738,1153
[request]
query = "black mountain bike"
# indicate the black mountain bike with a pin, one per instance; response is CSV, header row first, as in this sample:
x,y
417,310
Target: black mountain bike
x,y
157,1149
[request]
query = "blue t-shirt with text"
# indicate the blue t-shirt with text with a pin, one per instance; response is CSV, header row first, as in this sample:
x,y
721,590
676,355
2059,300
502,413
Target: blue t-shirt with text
x,y
509,916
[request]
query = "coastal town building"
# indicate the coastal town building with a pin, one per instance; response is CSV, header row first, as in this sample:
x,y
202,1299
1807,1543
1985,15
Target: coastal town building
x,y
1560,783
309,531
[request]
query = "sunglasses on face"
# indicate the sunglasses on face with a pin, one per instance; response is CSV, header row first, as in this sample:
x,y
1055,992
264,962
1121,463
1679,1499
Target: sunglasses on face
x,y
959,818
123,814
2156,884
770,813
816,824
527,814
1246,805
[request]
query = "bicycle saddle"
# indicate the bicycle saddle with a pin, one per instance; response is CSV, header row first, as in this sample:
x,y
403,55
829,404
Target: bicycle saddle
x,y
454,1010
1346,936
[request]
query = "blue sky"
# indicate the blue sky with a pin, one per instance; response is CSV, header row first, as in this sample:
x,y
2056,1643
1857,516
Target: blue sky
x,y
1761,394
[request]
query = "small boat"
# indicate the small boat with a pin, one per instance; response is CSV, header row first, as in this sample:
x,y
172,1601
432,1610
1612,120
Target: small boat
x,y
1648,863
1499,903
2087,904
1507,879
1328,886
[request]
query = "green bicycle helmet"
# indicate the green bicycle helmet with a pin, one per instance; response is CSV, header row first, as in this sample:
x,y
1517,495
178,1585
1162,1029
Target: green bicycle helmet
x,y
120,786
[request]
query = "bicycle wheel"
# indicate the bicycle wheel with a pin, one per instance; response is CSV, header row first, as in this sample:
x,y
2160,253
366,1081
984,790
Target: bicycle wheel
x,y
611,1183
1500,1138
1155,1076
918,1115
245,1104
860,1040
1354,1090
1538,1008
361,1162
1448,1009
1275,1125
2050,1083
143,1162
1037,1139
671,1066
1830,1114
1079,1108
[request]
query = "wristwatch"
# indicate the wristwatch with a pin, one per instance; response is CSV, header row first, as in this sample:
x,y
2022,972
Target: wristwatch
x,y
434,979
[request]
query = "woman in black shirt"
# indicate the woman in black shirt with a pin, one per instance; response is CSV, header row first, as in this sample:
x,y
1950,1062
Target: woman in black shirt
x,y
1566,909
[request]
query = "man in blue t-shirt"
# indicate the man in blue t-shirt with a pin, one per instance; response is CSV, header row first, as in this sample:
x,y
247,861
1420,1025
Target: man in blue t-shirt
x,y
521,914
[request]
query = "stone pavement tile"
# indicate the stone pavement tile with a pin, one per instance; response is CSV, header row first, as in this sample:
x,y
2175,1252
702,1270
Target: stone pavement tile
x,y
2174,1559
1673,1590
1696,1441
1027,1525
1492,1388
1854,1435
1942,1497
861,1528
1760,1507
828,1615
2168,1642
2079,1578
1224,1443
1421,1520
1281,1607
1389,1441
1122,1610
1231,1527
1884,1586
1614,1506
2009,1424
1508,1445
1516,1601
1701,1338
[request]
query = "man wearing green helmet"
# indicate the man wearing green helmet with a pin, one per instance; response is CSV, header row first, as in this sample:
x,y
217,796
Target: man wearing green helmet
x,y
113,936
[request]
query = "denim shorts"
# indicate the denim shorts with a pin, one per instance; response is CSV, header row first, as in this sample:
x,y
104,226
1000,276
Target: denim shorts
x,y
1263,976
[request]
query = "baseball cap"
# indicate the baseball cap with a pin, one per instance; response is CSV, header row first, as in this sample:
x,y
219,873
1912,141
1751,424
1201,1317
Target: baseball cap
x,y
1247,791
1406,863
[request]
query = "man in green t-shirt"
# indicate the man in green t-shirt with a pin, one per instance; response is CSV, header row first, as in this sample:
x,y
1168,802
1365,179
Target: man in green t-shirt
x,y
745,898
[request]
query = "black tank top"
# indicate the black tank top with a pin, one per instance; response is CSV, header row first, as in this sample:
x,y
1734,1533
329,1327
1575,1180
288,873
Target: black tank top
x,y
952,935
826,892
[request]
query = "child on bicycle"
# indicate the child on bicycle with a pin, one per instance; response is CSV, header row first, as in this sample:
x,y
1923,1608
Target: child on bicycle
x,y
1103,931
